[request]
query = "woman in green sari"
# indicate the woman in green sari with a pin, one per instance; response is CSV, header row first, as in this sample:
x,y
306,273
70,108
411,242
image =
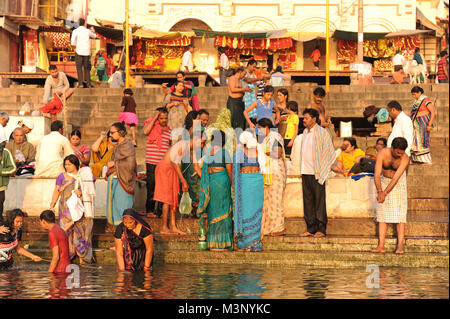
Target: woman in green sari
x,y
215,195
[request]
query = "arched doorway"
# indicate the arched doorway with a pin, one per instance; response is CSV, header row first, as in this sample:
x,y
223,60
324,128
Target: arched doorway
x,y
187,25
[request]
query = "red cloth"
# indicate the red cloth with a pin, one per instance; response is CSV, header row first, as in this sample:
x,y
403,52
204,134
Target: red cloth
x,y
57,237
54,107
167,184
315,55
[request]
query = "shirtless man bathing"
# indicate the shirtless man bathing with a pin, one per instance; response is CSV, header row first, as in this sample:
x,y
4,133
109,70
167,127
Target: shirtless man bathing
x,y
390,181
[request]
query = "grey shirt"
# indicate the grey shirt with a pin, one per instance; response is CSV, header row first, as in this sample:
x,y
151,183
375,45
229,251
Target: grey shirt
x,y
52,87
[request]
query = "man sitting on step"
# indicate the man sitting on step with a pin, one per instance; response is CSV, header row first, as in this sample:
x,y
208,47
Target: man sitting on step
x,y
56,88
22,151
390,181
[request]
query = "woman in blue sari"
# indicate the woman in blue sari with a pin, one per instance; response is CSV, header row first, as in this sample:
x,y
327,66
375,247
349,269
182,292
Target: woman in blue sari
x,y
215,195
248,195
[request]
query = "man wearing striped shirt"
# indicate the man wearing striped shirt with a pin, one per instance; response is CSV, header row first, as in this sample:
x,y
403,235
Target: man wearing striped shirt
x,y
158,142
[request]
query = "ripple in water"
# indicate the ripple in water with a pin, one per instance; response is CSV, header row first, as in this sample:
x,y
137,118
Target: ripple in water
x,y
225,282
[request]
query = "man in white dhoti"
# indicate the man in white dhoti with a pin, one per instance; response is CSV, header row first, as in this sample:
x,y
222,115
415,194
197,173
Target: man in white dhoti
x,y
390,181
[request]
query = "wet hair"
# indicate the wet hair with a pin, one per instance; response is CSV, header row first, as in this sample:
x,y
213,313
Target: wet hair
x,y
285,92
48,216
72,159
203,111
417,89
52,67
12,215
56,126
399,143
319,92
178,82
268,89
352,141
122,130
219,142
163,110
293,106
265,122
128,91
383,140
189,120
313,113
76,132
181,72
394,105
251,62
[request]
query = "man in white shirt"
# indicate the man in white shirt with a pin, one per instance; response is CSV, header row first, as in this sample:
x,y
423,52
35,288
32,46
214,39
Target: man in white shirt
x,y
224,65
403,126
314,172
82,44
51,152
398,61
4,119
187,64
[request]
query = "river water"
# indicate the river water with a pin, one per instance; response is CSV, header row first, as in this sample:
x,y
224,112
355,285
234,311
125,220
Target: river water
x,y
173,281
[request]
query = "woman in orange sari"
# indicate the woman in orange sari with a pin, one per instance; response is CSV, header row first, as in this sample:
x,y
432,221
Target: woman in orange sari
x,y
102,150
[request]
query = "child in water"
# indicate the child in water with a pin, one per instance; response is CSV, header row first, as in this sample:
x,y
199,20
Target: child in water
x,y
59,244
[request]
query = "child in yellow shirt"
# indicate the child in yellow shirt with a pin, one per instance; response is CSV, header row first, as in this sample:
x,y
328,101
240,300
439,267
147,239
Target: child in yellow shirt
x,y
291,128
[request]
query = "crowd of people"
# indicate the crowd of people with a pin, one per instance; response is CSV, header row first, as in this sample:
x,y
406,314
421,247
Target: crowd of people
x,y
234,170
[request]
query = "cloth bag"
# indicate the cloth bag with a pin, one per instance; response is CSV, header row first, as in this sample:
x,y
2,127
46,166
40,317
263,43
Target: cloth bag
x,y
75,206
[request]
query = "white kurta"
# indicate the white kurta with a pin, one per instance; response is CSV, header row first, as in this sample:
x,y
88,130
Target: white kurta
x,y
51,151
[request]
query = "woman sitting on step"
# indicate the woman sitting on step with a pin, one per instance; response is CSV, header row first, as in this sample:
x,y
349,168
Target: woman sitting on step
x,y
10,237
134,243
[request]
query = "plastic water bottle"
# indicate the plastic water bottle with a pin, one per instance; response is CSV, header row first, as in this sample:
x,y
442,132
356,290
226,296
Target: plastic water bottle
x,y
202,245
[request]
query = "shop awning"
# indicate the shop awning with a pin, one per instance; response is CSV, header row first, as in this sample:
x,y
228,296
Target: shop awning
x,y
245,35
428,24
406,33
353,36
153,34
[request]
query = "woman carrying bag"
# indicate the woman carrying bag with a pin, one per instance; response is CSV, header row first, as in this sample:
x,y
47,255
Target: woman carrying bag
x,y
76,191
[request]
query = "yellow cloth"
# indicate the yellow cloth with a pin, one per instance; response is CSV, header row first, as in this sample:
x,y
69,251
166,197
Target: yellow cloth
x,y
98,161
348,160
291,121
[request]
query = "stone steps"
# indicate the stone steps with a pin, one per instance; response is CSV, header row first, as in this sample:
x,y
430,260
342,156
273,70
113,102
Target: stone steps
x,y
432,227
284,243
280,258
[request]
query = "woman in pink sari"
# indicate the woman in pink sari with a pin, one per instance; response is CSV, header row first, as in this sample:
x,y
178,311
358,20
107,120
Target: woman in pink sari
x,y
80,150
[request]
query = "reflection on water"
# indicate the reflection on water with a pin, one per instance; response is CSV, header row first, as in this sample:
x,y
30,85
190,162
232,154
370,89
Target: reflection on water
x,y
225,281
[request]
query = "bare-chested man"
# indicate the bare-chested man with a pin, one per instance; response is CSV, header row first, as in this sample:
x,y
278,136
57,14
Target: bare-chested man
x,y
390,181
317,103
235,101
167,179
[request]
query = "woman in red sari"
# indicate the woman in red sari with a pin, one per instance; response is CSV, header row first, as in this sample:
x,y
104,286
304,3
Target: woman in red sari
x,y
80,150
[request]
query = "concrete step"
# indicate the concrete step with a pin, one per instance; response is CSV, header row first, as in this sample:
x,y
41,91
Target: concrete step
x,y
415,191
280,243
286,258
429,170
295,226
433,204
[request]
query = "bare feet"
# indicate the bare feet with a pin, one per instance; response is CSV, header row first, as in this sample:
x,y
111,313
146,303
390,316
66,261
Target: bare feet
x,y
165,231
319,235
113,248
379,250
280,233
177,231
400,251
307,234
